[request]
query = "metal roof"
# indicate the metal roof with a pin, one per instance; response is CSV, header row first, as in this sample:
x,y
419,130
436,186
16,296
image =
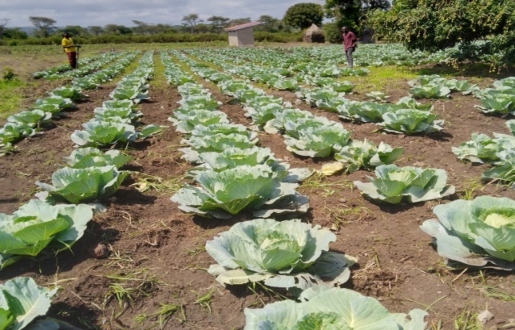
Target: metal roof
x,y
241,26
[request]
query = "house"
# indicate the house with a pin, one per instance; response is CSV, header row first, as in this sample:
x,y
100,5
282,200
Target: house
x,y
242,35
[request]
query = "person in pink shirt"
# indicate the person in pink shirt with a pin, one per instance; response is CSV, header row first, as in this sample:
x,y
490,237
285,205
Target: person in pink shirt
x,y
349,44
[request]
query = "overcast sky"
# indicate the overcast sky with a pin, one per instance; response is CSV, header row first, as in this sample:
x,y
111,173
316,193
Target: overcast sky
x,y
123,12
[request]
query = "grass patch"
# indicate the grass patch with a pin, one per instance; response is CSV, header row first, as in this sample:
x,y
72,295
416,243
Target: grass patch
x,y
10,96
319,182
382,79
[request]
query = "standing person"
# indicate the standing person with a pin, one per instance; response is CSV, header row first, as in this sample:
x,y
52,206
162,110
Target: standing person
x,y
349,44
70,49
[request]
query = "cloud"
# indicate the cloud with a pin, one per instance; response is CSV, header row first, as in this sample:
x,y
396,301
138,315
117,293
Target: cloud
x,y
122,12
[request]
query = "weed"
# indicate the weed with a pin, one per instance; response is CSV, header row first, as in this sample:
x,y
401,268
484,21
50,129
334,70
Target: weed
x,y
140,318
122,261
497,293
166,311
123,295
205,300
469,189
318,182
145,182
343,215
255,286
124,288
467,320
195,251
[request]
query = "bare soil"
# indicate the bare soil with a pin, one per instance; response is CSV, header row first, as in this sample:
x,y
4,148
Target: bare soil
x,y
156,252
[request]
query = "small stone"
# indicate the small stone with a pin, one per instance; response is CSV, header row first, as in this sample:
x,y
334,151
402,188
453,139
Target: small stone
x,y
484,317
100,251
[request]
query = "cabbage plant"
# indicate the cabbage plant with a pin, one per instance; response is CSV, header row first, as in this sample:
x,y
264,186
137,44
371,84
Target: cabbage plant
x,y
21,301
333,308
89,157
363,154
430,91
284,254
215,143
497,101
53,104
71,93
34,118
224,194
37,226
410,121
103,133
84,184
315,139
478,233
186,121
410,184
234,157
364,111
481,148
504,170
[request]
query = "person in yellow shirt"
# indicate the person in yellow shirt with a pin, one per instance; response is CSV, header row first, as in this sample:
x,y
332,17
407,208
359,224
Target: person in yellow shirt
x,y
70,49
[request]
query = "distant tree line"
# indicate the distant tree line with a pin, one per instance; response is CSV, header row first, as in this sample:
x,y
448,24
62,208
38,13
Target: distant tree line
x,y
191,29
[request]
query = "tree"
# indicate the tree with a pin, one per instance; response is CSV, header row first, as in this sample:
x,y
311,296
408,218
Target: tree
x,y
14,33
432,25
3,23
302,15
202,28
95,30
141,28
117,29
268,24
190,20
218,23
75,30
352,13
238,21
44,25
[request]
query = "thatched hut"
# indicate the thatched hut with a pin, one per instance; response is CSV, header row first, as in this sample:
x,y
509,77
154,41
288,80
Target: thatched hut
x,y
314,34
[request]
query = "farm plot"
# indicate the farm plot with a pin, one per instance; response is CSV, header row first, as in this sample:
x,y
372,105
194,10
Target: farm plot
x,y
143,262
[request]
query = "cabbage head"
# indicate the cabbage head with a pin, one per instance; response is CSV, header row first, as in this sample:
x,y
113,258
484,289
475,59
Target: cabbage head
x,y
363,154
283,254
37,226
332,309
410,184
226,193
84,184
478,233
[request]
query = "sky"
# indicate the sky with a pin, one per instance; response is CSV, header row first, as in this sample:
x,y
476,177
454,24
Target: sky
x,y
122,12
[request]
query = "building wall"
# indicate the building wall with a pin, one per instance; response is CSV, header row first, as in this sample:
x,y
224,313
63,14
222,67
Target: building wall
x,y
244,37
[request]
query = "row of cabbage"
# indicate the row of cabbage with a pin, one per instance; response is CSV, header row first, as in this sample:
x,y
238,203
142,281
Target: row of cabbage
x,y
42,227
57,71
84,67
410,184
31,122
329,97
476,233
312,136
365,55
279,65
405,117
286,254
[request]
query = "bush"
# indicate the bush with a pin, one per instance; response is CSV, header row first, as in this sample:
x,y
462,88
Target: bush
x,y
332,33
277,37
